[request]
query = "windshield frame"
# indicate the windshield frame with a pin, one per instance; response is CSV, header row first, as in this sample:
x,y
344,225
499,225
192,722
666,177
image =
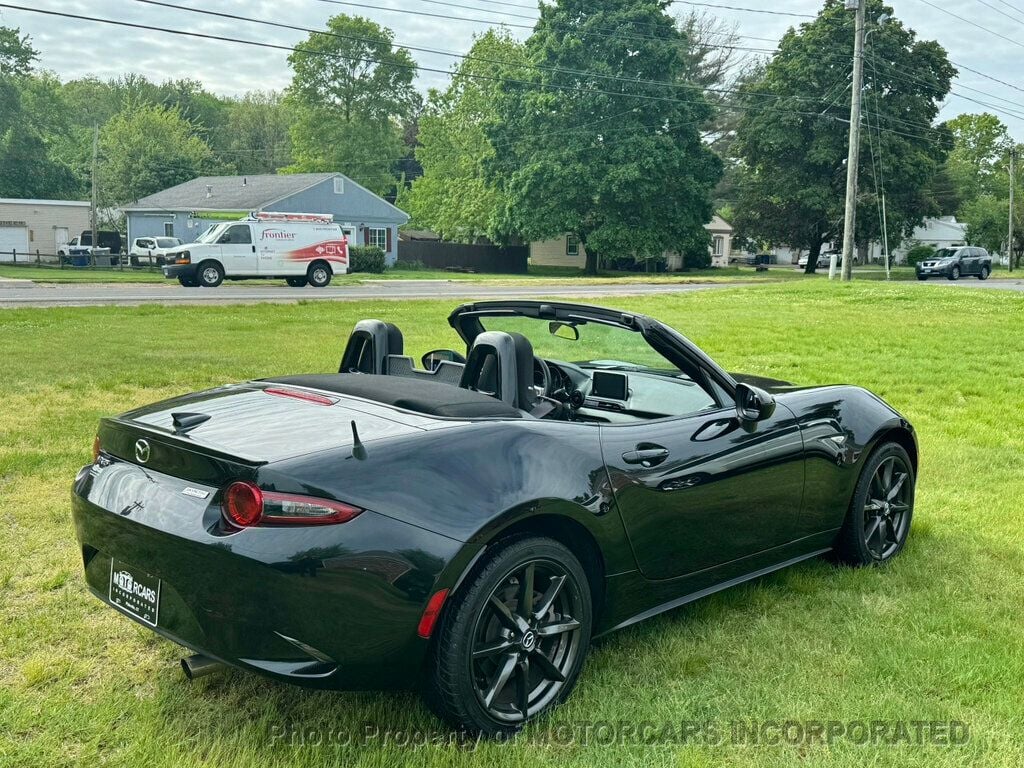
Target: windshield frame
x,y
667,342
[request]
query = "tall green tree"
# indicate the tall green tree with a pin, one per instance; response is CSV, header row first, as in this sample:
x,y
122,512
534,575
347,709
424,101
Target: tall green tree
x,y
30,116
258,128
977,164
454,197
17,56
146,149
620,165
792,139
350,91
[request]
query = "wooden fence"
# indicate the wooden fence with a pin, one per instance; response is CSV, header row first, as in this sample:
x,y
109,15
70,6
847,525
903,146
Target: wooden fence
x,y
511,260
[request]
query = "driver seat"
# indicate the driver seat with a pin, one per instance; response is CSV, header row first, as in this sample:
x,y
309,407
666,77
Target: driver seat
x,y
501,365
369,346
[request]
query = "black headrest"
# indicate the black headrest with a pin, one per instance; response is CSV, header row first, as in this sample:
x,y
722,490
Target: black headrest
x,y
501,365
369,346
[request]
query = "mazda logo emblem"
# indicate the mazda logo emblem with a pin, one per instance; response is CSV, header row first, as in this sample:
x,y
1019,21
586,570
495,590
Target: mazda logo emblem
x,y
142,451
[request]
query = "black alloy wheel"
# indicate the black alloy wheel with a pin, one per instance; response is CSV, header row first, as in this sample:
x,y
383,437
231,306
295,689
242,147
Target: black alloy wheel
x,y
513,646
887,512
878,522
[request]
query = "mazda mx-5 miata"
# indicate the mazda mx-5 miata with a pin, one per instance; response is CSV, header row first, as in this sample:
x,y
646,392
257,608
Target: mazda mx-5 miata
x,y
470,525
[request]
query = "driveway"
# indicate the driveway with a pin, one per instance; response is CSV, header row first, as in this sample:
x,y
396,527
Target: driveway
x,y
132,294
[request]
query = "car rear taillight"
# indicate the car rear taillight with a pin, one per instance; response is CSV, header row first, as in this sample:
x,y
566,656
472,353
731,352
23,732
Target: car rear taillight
x,y
245,506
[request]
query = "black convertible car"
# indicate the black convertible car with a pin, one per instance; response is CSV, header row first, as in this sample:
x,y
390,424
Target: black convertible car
x,y
469,526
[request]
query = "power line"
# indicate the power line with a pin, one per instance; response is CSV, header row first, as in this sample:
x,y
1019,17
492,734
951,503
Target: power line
x,y
999,11
747,10
415,67
463,56
972,23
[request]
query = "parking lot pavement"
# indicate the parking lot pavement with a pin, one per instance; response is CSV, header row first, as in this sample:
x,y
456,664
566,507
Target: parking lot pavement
x,y
125,294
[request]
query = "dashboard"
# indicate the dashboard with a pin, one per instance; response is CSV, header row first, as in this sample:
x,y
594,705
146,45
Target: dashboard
x,y
595,392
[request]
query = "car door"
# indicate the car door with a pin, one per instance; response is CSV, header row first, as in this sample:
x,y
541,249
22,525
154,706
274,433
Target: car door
x,y
703,490
238,254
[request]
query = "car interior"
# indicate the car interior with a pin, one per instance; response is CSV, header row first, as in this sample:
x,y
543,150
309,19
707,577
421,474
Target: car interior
x,y
502,377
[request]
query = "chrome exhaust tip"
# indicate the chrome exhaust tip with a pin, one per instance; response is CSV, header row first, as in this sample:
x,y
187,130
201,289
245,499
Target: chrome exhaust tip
x,y
198,666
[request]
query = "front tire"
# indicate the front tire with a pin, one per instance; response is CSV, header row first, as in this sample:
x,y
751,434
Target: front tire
x,y
511,644
878,521
954,273
985,272
187,282
297,282
210,274
319,274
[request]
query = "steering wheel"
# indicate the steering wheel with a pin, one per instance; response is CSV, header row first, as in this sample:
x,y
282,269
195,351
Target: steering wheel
x,y
540,366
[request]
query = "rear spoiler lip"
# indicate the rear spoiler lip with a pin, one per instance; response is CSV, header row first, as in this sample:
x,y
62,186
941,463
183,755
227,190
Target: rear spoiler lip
x,y
184,442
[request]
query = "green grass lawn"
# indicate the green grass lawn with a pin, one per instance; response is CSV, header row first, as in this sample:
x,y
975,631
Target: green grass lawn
x,y
936,635
548,274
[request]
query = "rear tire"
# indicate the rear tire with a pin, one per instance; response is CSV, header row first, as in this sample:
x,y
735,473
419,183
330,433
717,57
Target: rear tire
x,y
297,282
210,274
878,521
319,274
514,638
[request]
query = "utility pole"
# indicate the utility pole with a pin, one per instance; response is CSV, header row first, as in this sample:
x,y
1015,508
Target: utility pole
x,y
95,195
853,159
1013,181
885,240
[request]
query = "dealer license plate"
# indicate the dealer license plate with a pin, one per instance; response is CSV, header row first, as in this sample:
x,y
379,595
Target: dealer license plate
x,y
135,592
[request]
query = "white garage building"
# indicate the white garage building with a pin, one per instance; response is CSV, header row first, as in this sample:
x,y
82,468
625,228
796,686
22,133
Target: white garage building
x,y
27,226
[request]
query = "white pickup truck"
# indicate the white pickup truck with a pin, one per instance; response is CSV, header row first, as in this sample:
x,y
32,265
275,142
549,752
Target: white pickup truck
x,y
303,249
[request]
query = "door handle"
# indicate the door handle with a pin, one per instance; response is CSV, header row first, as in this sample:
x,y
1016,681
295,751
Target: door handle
x,y
646,455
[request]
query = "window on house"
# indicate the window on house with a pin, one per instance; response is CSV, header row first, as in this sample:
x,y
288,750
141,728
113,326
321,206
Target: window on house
x,y
718,245
339,185
572,245
168,229
378,237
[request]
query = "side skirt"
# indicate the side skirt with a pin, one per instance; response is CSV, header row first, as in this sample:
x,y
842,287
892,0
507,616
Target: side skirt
x,y
693,596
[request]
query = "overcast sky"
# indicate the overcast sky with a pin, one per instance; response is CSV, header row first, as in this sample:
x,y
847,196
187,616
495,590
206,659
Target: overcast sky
x,y
74,48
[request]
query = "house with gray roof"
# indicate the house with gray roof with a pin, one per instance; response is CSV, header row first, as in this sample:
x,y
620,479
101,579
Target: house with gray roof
x,y
187,210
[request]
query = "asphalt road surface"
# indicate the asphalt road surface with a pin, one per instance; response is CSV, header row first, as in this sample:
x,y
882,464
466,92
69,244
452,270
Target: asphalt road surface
x,y
28,294
131,294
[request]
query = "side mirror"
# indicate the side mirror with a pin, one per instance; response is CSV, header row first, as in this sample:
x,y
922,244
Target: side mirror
x,y
753,404
566,331
432,360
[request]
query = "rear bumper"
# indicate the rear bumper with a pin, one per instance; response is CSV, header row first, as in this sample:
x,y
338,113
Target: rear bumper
x,y
296,605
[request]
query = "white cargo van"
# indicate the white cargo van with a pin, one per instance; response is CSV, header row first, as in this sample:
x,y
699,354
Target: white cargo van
x,y
302,248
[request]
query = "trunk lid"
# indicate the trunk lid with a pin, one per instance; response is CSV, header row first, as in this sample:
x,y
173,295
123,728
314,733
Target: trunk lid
x,y
248,425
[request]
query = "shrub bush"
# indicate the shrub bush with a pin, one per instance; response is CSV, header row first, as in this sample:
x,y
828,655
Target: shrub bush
x,y
366,258
919,253
696,258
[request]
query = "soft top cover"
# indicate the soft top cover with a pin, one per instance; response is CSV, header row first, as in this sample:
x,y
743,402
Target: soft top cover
x,y
426,397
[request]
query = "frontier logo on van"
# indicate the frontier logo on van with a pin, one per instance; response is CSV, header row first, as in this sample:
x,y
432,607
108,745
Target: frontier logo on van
x,y
277,234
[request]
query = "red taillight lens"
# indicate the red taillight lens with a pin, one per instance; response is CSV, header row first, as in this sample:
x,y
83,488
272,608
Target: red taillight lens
x,y
95,449
245,505
431,614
